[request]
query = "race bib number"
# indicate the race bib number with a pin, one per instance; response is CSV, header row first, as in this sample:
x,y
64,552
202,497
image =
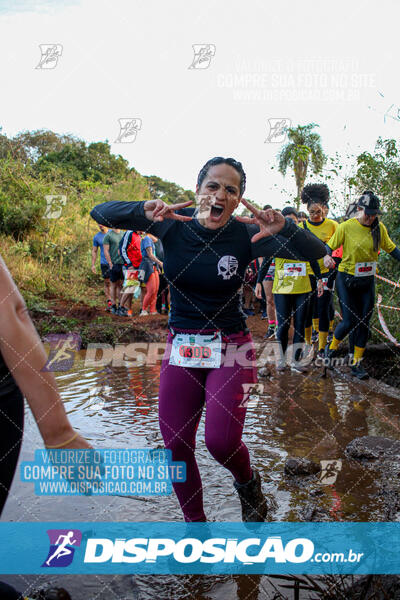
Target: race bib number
x,y
294,269
196,350
365,269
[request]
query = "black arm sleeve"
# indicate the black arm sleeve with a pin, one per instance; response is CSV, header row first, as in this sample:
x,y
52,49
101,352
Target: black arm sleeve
x,y
128,215
265,265
291,242
315,267
395,253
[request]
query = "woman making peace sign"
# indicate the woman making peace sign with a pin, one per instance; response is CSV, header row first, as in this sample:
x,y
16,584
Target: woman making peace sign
x,y
210,358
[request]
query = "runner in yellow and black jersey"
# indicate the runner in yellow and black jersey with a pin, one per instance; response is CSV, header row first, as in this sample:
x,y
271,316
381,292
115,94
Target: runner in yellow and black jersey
x,y
362,237
316,196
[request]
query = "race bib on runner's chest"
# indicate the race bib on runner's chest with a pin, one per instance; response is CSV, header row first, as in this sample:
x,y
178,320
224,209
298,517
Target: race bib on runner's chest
x,y
196,350
294,269
365,269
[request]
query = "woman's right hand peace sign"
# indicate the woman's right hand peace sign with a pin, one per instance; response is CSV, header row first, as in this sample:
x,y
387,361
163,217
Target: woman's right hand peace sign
x,y
158,210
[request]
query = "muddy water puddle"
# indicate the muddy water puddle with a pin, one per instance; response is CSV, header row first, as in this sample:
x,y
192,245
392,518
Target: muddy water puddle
x,y
292,415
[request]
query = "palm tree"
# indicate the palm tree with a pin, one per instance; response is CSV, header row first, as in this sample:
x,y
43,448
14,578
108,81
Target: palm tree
x,y
304,147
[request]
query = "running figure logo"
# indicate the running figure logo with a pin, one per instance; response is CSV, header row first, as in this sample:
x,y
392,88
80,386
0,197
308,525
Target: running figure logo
x,y
50,55
392,113
251,394
204,202
62,547
203,54
277,130
97,395
227,266
329,471
128,129
62,351
54,206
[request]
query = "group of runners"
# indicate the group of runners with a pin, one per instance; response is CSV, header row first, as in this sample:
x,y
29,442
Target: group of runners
x,y
206,256
304,291
131,265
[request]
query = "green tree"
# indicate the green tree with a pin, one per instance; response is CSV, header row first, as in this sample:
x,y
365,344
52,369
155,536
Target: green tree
x,y
92,163
36,144
168,191
338,173
380,172
9,148
302,150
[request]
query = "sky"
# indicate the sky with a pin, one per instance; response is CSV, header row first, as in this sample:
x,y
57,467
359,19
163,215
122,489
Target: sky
x,y
334,64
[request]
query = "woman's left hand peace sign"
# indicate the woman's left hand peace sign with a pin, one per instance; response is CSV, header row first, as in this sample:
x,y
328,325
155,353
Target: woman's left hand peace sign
x,y
269,221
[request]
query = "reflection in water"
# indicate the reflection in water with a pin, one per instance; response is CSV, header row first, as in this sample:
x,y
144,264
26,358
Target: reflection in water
x,y
295,416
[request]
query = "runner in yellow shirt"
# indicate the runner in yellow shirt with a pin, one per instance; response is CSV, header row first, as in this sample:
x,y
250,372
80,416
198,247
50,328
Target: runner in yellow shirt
x,y
291,289
316,196
362,237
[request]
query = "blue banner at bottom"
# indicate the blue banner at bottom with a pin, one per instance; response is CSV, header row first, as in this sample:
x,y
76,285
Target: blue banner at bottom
x,y
213,548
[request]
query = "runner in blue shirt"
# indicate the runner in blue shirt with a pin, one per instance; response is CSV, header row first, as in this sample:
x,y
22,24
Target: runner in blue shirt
x,y
105,269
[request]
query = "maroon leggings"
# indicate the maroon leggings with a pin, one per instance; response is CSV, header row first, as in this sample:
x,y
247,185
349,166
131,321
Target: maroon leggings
x,y
183,393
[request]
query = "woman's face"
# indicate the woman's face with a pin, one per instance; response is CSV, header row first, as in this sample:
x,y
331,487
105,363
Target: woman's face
x,y
316,213
222,183
364,218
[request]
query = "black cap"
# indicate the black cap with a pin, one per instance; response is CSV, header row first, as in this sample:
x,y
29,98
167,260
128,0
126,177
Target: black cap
x,y
370,203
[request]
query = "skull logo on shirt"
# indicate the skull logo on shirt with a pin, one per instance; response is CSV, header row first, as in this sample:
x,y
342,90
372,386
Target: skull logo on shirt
x,y
227,266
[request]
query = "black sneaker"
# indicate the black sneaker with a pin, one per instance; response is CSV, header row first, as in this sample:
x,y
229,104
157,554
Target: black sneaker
x,y
122,312
253,501
330,337
314,336
270,333
359,371
328,355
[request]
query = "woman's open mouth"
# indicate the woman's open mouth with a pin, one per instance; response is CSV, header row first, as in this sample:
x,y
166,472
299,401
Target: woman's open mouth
x,y
216,212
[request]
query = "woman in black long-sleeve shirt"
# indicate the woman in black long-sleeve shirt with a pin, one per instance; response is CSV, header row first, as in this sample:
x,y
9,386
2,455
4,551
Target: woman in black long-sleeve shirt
x,y
206,256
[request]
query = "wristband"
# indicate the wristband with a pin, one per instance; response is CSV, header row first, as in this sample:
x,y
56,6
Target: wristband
x,y
64,443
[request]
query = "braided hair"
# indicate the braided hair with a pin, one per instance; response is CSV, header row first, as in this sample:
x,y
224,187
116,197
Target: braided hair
x,y
219,160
